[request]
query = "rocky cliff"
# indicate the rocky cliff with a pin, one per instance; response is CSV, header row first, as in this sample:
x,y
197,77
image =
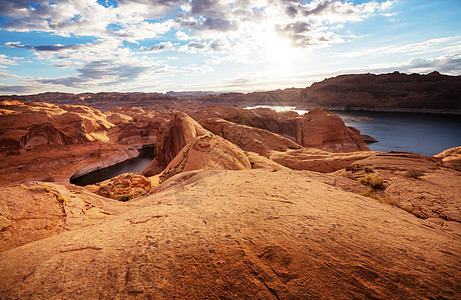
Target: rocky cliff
x,y
396,91
173,135
53,142
316,129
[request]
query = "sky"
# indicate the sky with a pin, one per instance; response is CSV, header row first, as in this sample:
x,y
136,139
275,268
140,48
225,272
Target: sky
x,y
218,45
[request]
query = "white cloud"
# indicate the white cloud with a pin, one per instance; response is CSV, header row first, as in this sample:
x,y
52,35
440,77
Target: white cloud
x,y
242,31
5,60
9,75
160,47
444,44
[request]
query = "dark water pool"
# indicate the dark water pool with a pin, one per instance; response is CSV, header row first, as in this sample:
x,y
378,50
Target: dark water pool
x,y
422,133
134,165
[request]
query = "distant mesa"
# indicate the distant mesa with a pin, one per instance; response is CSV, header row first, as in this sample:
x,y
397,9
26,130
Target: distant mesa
x,y
395,91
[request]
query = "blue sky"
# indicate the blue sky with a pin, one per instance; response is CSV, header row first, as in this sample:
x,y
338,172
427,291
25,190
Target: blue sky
x,y
218,45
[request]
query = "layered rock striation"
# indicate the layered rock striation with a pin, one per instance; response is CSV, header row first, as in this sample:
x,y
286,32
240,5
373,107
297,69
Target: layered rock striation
x,y
54,142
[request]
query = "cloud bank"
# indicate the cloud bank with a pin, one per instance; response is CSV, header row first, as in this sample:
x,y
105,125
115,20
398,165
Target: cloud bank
x,y
132,41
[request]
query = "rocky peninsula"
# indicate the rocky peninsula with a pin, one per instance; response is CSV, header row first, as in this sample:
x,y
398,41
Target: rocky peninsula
x,y
235,204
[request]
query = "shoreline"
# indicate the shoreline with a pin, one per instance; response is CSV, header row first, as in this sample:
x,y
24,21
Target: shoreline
x,y
396,110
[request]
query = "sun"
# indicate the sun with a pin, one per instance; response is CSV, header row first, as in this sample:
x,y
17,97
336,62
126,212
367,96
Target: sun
x,y
279,51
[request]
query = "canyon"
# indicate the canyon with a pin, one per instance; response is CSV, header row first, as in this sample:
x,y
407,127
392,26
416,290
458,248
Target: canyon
x,y
236,203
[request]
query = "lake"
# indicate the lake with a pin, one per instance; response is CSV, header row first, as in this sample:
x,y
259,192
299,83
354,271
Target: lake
x,y
134,165
422,133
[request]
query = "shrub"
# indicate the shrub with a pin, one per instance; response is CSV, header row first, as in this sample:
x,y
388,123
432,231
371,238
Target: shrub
x,y
413,173
373,182
103,188
246,119
125,198
369,193
40,188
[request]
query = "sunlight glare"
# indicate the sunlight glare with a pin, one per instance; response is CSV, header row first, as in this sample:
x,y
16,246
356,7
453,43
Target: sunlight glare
x,y
279,51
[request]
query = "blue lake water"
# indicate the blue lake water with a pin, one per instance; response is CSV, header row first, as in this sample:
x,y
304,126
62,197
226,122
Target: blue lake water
x,y
134,165
422,133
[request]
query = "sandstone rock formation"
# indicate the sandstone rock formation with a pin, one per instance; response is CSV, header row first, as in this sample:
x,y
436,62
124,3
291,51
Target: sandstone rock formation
x,y
207,152
100,101
396,91
413,182
223,223
248,138
123,187
316,129
283,123
317,160
37,210
172,137
451,158
325,130
49,142
241,234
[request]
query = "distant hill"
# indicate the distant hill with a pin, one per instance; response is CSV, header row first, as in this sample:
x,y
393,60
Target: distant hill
x,y
102,101
396,91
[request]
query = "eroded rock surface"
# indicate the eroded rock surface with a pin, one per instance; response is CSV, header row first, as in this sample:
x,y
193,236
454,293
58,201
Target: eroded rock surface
x,y
37,210
317,160
248,138
172,137
207,152
413,182
240,234
123,187
327,131
451,158
41,141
